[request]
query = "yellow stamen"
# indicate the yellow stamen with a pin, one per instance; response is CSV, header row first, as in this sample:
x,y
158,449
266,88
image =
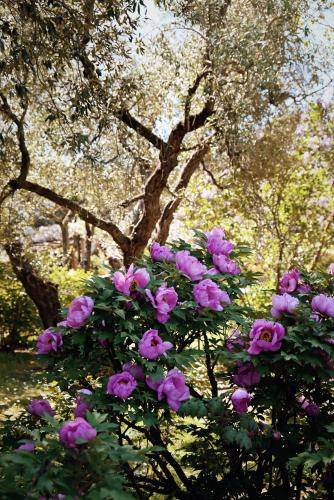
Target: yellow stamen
x,y
266,335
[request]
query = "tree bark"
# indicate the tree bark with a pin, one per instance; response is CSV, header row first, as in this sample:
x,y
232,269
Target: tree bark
x,y
65,240
166,218
44,294
86,261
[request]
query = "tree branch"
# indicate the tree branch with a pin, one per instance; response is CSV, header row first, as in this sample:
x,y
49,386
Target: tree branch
x,y
157,181
191,92
154,436
169,210
209,368
125,116
25,157
190,123
122,114
156,439
322,240
197,121
129,201
21,183
84,214
168,157
212,177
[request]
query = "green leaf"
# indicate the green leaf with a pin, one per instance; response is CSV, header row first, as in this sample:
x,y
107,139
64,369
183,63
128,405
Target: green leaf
x,y
330,427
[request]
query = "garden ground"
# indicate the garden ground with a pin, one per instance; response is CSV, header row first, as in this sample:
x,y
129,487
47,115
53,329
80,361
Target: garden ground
x,y
21,379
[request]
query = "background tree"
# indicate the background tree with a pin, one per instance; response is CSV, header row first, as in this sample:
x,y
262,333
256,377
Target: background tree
x,y
279,193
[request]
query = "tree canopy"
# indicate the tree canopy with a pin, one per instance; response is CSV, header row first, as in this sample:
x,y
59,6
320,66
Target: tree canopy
x,y
87,104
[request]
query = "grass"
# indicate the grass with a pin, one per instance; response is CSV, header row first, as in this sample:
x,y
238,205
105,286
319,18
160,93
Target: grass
x,y
22,378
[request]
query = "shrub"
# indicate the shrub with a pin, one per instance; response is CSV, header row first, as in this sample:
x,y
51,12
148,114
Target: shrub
x,y
186,393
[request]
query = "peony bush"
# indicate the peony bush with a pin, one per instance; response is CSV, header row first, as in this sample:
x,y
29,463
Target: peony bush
x,y
172,386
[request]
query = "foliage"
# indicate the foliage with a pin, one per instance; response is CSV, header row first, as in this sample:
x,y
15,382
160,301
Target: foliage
x,y
71,282
18,315
206,449
277,196
54,465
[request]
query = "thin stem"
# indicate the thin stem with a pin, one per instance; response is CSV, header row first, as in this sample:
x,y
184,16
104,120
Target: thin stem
x,y
209,368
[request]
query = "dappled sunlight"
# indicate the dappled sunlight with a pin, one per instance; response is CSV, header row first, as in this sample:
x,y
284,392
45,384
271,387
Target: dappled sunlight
x,y
22,378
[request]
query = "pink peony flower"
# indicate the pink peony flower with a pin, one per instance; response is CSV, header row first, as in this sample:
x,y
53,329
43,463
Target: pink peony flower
x,y
136,370
233,340
174,389
283,303
74,430
265,336
208,294
212,271
240,399
225,265
82,404
322,304
247,375
161,253
121,385
311,409
216,243
49,341
27,446
103,342
331,268
164,302
79,311
189,265
289,281
216,231
153,384
128,283
151,346
40,407
62,323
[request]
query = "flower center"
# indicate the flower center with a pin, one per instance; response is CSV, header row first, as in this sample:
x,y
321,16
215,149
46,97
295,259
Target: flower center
x,y
134,285
154,342
266,335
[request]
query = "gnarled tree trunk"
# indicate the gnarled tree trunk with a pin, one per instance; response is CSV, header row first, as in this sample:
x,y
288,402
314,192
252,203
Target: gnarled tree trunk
x,y
44,294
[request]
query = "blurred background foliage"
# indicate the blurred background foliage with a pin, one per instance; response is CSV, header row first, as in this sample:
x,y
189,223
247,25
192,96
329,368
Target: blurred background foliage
x,y
280,196
18,315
